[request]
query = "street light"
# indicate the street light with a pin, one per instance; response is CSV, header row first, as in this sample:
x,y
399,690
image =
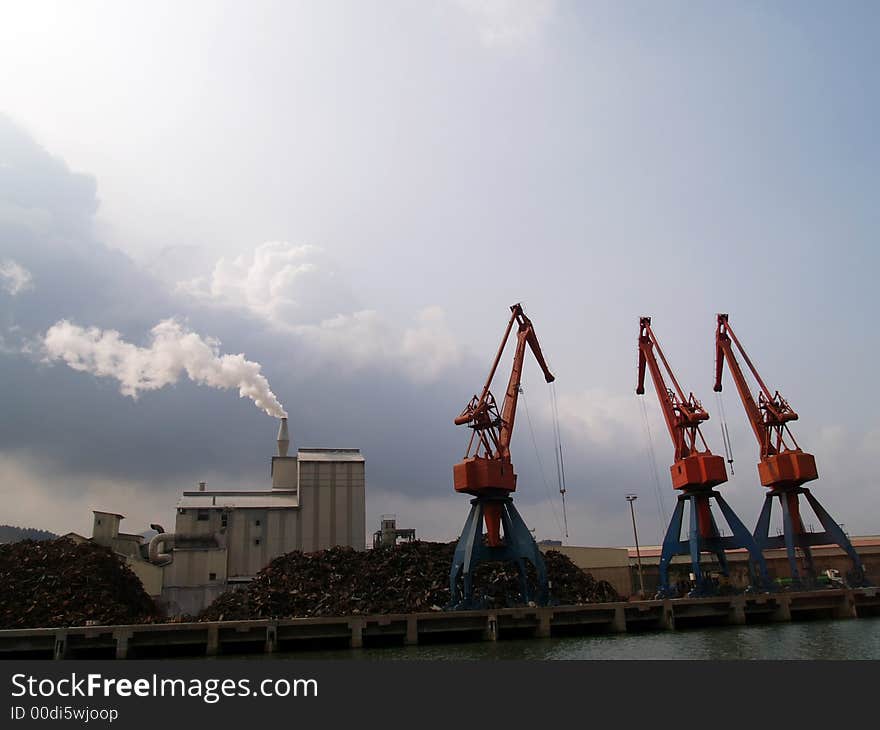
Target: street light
x,y
632,498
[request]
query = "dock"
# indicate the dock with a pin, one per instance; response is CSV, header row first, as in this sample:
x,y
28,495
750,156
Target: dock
x,y
290,635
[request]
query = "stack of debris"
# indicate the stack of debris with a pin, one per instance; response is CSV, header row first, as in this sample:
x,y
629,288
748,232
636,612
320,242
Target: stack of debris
x,y
410,577
569,585
60,583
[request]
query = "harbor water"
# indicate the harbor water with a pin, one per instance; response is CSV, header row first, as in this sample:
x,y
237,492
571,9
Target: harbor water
x,y
832,639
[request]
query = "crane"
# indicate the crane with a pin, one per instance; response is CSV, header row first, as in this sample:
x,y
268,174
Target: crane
x,y
695,471
783,466
486,473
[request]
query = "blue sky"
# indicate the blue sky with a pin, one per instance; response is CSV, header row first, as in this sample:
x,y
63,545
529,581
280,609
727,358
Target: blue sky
x,y
597,161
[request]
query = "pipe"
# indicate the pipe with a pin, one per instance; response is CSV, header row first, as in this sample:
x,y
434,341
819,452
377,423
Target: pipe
x,y
283,438
155,556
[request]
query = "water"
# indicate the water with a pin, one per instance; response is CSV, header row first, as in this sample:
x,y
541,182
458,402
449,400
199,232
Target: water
x,y
854,639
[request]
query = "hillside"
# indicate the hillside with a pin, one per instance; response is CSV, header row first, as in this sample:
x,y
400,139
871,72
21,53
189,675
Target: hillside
x,y
10,533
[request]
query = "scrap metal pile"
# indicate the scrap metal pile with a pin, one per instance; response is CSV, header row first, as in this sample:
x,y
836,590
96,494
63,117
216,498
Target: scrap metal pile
x,y
60,583
411,577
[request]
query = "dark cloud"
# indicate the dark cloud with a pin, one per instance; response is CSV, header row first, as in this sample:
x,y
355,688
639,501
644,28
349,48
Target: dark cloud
x,y
79,427
83,424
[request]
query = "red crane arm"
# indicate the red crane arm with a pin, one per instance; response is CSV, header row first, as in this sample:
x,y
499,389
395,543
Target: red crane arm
x,y
497,429
724,349
782,465
683,415
770,414
526,335
498,354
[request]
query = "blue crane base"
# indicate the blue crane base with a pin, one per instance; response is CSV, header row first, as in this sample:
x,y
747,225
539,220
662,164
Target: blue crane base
x,y
696,544
792,540
517,547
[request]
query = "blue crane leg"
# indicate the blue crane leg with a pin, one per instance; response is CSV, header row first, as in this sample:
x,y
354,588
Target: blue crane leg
x,y
762,529
836,533
513,550
694,540
744,538
518,545
463,559
788,530
523,545
670,546
808,559
719,548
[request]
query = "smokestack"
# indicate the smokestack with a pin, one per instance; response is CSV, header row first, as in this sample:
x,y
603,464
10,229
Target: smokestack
x,y
283,438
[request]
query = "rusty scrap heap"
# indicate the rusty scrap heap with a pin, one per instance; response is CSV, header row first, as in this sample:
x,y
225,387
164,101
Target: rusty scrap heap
x,y
410,577
60,583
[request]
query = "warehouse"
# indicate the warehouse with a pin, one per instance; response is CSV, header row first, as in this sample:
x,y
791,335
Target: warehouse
x,y
603,563
825,557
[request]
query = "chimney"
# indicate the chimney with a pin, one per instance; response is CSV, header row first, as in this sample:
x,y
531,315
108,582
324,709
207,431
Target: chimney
x,y
201,486
283,438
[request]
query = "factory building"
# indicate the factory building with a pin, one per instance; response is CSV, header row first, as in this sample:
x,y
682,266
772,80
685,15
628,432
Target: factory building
x,y
133,548
222,539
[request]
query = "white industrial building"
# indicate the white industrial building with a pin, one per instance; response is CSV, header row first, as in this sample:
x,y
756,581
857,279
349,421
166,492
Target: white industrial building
x,y
224,538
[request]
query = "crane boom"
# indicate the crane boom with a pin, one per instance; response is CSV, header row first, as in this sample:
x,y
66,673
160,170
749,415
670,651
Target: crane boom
x,y
782,462
694,467
526,335
724,350
493,430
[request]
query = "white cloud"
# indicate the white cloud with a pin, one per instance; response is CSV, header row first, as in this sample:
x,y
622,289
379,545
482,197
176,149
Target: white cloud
x,y
871,442
509,23
429,348
351,341
422,351
296,289
831,438
605,419
172,352
14,278
283,283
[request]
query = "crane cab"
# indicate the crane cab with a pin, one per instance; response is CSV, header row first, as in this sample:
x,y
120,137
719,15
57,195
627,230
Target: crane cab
x,y
787,469
476,475
698,470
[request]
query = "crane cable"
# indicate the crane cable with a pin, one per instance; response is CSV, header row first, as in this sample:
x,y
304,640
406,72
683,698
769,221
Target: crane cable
x,y
725,434
522,393
661,509
560,462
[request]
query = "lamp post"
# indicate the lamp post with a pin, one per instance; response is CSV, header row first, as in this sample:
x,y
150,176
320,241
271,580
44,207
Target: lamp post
x,y
632,498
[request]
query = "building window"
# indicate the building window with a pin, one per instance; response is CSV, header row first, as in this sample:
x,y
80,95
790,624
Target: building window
x,y
257,523
224,518
202,515
257,541
212,576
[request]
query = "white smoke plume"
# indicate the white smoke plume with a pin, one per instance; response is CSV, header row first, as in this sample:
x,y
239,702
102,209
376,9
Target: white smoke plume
x,y
173,350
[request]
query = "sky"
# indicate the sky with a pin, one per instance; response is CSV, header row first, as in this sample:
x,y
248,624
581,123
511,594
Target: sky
x,y
335,203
